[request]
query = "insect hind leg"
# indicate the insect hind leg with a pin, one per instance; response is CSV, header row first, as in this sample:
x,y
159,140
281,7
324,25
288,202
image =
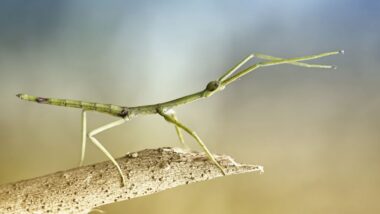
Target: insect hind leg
x,y
84,137
102,148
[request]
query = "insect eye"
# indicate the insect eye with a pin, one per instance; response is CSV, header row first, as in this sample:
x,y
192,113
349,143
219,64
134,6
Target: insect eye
x,y
212,86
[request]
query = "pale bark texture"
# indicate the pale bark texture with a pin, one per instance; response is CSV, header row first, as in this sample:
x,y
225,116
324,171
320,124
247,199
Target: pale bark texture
x,y
81,189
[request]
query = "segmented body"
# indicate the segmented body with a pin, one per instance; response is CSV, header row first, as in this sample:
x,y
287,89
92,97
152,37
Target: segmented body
x,y
115,110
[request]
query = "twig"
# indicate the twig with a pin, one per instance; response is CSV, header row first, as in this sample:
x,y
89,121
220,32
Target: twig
x,y
81,189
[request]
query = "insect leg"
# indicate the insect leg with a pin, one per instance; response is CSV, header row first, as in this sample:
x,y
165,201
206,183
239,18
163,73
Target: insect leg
x,y
173,120
301,64
235,68
84,137
177,128
101,147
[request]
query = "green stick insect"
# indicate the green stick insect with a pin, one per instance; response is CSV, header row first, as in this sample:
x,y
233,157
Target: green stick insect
x,y
165,109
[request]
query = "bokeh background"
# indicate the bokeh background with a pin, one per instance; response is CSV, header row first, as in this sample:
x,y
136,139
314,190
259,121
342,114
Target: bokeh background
x,y
315,131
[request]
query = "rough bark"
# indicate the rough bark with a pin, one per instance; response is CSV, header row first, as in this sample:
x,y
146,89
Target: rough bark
x,y
81,189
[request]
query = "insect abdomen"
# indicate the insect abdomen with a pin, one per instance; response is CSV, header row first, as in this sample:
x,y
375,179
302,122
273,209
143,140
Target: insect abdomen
x,y
90,106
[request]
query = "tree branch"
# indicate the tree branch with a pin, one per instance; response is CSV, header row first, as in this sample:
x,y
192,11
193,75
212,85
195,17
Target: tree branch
x,y
80,189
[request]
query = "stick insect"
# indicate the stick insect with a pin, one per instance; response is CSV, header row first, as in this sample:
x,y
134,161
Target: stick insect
x,y
165,109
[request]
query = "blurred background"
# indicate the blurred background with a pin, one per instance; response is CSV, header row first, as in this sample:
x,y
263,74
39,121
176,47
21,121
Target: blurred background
x,y
315,131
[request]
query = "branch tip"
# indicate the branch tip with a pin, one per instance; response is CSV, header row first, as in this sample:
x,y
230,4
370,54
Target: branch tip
x,y
81,189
